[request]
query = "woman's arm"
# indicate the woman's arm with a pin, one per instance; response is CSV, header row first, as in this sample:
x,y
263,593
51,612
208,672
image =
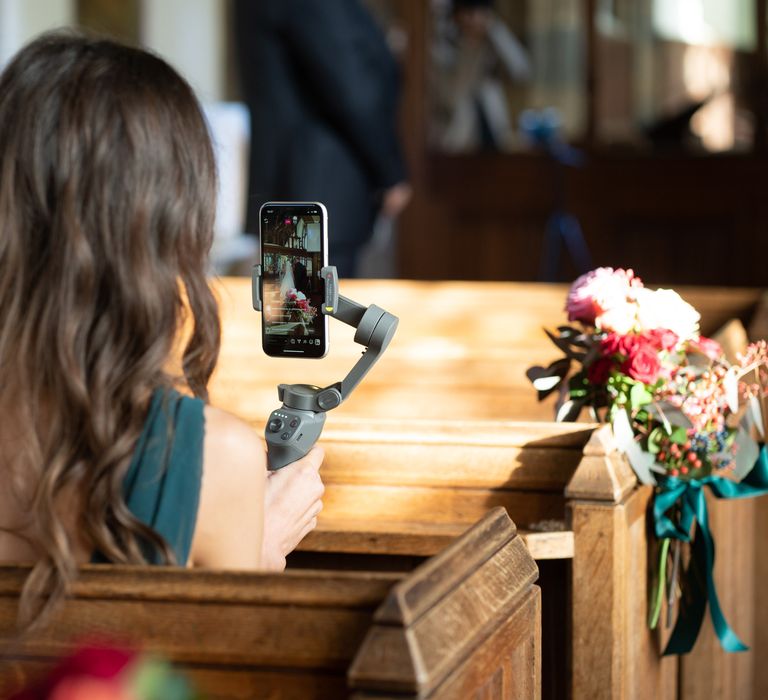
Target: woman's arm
x,y
237,495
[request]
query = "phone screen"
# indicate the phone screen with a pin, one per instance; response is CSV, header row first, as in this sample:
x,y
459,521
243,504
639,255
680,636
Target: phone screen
x,y
294,245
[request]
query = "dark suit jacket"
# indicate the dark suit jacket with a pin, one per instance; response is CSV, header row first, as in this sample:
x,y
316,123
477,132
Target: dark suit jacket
x,y
322,87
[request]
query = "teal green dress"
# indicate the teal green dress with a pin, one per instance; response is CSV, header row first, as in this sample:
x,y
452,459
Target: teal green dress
x,y
162,485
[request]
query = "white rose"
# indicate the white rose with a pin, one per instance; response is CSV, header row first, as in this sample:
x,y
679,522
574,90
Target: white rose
x,y
619,318
664,308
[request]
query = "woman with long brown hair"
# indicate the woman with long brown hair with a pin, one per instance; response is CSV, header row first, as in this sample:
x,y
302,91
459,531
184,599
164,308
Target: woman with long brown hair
x,y
107,199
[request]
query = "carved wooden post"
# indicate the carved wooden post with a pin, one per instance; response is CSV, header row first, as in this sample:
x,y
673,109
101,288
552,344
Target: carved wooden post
x,y
614,653
465,624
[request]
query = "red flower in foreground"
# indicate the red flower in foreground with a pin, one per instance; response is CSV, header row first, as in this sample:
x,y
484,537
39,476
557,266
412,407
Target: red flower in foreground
x,y
643,364
92,668
599,371
620,344
85,688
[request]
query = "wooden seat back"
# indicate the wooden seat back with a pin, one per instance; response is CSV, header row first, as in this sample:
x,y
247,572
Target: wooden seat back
x,y
468,615
408,488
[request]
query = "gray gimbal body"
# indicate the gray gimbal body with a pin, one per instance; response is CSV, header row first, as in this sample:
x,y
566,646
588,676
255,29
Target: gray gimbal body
x,y
293,428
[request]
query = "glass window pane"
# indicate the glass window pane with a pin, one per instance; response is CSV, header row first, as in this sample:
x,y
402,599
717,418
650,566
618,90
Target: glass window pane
x,y
490,61
675,73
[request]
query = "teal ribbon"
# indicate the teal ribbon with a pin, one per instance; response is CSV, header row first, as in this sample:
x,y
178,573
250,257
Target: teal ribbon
x,y
698,581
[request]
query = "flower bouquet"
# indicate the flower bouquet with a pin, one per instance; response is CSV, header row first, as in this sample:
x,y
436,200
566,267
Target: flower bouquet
x,y
298,308
683,415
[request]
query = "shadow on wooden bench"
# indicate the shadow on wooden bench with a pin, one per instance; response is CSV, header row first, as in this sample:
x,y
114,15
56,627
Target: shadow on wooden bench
x,y
464,624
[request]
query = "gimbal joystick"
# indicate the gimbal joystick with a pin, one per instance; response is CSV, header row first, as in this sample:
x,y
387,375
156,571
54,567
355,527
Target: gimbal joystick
x,y
293,428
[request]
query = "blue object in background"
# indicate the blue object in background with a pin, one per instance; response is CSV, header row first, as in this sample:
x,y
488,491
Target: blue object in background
x,y
542,129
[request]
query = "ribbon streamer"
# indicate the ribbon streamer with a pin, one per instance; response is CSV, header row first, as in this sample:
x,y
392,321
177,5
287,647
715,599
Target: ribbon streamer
x,y
699,582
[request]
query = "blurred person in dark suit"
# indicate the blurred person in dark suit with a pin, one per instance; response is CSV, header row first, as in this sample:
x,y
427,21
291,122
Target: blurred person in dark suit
x,y
322,87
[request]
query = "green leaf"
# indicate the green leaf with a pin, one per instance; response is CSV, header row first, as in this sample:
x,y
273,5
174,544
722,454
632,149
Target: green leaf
x,y
679,436
654,440
639,396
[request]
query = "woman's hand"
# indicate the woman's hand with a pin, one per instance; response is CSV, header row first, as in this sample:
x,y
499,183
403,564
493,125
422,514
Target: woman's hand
x,y
291,506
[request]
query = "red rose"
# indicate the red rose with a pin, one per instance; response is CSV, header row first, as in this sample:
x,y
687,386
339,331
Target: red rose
x,y
642,364
599,371
610,344
616,344
663,338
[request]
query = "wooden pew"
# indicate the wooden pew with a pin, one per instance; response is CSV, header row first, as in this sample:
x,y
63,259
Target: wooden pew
x,y
404,474
460,352
402,489
464,624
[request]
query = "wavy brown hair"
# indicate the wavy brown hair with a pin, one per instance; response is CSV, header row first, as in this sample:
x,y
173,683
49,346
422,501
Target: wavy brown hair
x,y
107,193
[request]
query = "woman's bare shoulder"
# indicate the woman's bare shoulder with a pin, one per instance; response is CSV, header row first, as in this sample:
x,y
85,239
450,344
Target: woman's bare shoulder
x,y
230,435
231,513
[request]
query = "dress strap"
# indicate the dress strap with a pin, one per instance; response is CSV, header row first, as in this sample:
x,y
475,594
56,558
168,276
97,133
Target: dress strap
x,y
162,485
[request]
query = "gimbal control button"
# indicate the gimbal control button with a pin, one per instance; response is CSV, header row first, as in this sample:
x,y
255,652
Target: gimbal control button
x,y
275,425
328,399
285,436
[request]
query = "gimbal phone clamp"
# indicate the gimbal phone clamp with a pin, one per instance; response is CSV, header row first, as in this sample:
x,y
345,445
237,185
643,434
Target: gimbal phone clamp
x,y
293,428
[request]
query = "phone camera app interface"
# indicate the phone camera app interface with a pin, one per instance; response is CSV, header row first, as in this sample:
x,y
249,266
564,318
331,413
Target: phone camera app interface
x,y
292,257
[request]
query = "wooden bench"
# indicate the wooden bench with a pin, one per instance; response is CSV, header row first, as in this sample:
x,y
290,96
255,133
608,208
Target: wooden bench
x,y
404,475
464,624
460,352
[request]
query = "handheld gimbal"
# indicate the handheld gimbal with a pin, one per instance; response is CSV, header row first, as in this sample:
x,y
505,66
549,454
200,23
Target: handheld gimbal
x,y
293,428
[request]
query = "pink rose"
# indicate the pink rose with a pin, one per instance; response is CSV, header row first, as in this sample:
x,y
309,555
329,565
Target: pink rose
x,y
663,338
706,346
600,292
642,364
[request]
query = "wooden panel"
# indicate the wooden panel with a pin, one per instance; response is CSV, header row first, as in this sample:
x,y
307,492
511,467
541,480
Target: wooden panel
x,y
708,670
431,635
439,505
760,553
299,629
488,454
397,537
614,653
162,584
505,201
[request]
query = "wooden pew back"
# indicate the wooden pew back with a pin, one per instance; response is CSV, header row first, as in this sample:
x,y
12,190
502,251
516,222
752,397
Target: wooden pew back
x,y
464,624
406,488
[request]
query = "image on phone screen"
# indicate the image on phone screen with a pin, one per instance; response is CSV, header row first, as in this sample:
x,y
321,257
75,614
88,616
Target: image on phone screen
x,y
293,251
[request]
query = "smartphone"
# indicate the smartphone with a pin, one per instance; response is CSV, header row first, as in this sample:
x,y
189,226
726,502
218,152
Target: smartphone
x,y
293,250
